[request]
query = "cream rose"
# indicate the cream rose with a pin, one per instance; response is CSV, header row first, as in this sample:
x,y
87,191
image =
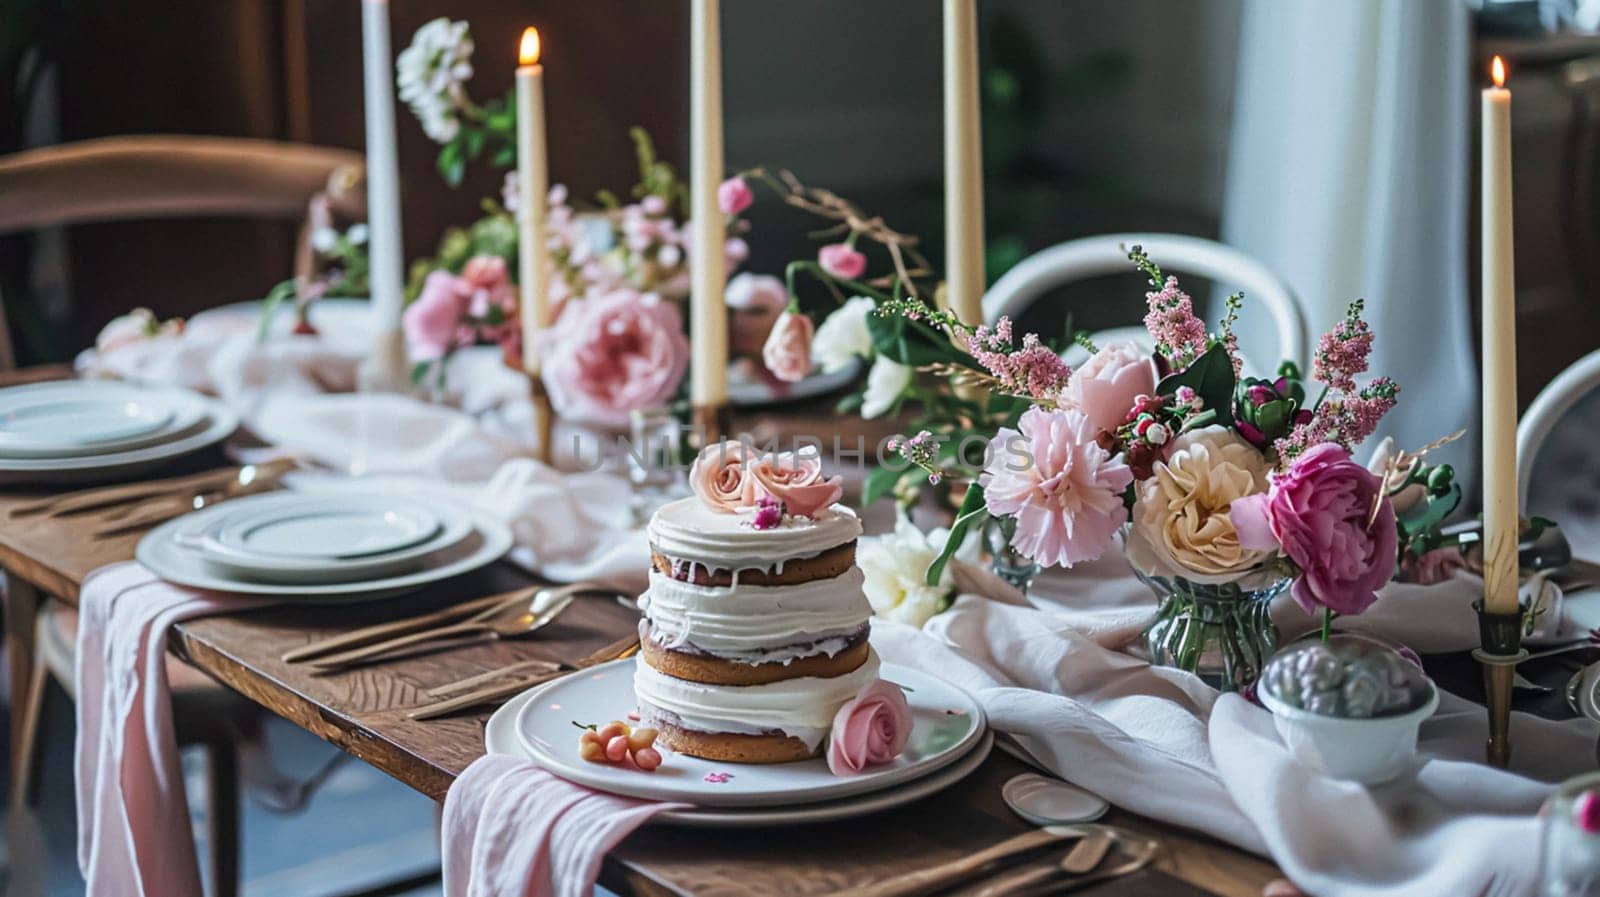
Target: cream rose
x,y
1181,525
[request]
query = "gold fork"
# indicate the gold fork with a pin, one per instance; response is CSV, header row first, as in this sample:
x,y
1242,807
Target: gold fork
x,y
623,647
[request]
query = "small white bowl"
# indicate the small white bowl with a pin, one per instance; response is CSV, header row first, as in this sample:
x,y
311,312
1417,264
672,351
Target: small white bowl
x,y
1370,751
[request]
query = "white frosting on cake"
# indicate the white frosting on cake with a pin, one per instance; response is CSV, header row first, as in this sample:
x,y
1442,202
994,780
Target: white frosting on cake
x,y
747,621
802,708
691,532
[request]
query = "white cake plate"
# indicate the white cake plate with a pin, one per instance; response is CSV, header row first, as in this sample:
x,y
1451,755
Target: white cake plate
x,y
500,737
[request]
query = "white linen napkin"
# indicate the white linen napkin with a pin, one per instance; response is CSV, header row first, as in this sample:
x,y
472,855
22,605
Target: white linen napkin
x,y
1159,742
512,829
133,817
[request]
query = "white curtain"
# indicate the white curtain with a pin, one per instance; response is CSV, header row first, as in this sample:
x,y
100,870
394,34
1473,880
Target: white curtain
x,y
1348,174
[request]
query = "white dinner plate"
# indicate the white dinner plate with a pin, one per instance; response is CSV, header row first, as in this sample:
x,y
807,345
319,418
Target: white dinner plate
x,y
160,551
948,723
500,737
302,526
75,418
450,525
216,423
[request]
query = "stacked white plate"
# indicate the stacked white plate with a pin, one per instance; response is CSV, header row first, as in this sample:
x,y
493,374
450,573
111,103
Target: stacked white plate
x,y
323,546
949,739
80,430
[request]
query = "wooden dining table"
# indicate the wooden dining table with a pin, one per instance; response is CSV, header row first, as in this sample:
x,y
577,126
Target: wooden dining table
x,y
363,711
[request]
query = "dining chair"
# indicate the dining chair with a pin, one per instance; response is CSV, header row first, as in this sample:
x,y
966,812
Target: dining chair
x,y
147,177
176,176
1559,425
1097,256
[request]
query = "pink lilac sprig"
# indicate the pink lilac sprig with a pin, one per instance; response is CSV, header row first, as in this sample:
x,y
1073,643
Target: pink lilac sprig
x,y
1179,334
1230,340
1342,352
1346,419
921,450
1032,370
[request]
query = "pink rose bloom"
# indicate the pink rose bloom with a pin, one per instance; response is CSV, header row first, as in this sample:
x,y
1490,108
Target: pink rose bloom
x,y
1063,488
718,476
612,354
430,320
1104,387
841,260
734,196
754,301
794,478
1317,513
787,353
1433,567
871,728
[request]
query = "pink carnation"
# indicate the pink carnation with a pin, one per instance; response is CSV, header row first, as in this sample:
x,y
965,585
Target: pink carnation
x,y
1318,513
613,354
430,320
870,729
1064,489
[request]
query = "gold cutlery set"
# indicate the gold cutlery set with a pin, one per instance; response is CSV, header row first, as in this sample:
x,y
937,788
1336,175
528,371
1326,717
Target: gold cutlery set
x,y
508,615
135,507
987,873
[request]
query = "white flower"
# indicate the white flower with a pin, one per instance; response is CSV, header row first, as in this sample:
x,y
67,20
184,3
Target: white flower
x,y
896,569
438,120
885,382
432,73
323,239
757,292
357,234
843,336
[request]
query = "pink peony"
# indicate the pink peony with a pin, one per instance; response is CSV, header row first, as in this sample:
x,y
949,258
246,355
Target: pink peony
x,y
1317,512
1063,488
613,354
718,476
754,303
787,353
734,196
430,320
1104,387
794,478
871,728
842,260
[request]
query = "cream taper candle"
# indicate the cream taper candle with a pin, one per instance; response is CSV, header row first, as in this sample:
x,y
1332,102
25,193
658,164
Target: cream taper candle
x,y
1501,525
383,173
533,184
963,163
708,317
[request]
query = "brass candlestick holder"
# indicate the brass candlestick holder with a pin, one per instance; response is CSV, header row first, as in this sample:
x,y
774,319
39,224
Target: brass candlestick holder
x,y
1500,637
711,424
544,420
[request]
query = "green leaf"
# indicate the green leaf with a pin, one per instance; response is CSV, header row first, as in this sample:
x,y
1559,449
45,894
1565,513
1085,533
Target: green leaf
x,y
505,155
880,482
913,343
271,303
972,513
474,139
851,403
1427,514
451,164
1211,377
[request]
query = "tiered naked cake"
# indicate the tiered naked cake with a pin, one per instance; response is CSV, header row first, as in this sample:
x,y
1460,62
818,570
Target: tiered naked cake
x,y
755,629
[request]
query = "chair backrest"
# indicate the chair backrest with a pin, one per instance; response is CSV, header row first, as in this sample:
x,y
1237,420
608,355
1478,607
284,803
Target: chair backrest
x,y
119,178
139,177
1553,402
1097,256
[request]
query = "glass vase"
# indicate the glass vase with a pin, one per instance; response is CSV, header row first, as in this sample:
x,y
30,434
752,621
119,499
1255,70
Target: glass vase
x,y
1220,632
1005,561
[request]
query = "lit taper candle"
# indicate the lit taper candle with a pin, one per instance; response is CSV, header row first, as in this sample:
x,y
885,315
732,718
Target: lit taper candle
x,y
1500,514
533,185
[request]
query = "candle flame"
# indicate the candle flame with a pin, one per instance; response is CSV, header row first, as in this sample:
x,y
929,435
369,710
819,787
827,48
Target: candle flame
x,y
528,54
1497,71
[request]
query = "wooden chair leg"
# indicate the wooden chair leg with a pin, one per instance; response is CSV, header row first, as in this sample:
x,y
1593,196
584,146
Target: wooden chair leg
x,y
26,713
21,615
222,818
